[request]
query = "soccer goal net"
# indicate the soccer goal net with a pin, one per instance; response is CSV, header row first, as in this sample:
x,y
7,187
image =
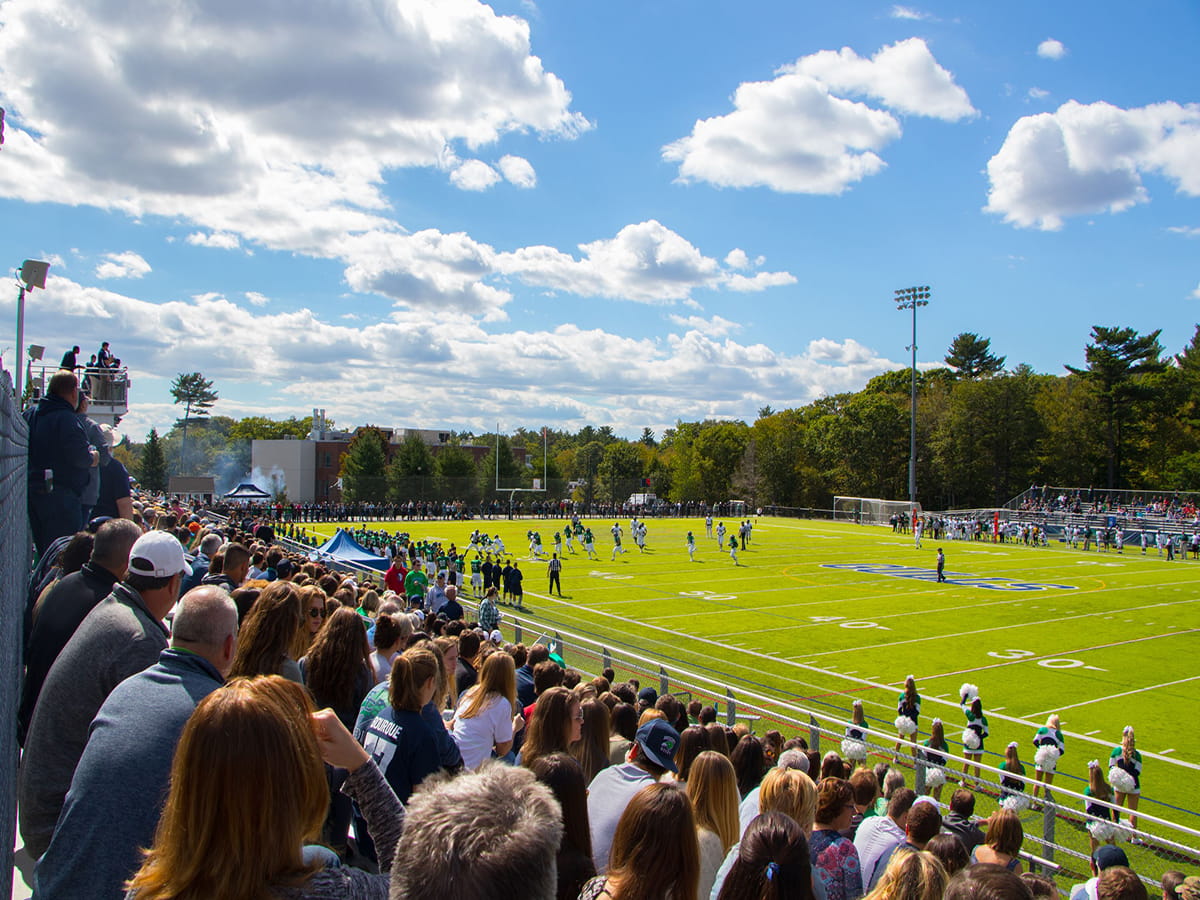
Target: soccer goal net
x,y
871,510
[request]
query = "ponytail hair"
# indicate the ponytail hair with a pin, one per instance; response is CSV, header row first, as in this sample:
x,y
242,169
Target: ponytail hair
x,y
410,671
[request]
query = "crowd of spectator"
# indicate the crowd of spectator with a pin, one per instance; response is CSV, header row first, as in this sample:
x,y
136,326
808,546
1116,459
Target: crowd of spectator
x,y
208,715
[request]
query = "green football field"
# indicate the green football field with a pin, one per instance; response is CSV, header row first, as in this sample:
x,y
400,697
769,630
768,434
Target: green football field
x,y
820,613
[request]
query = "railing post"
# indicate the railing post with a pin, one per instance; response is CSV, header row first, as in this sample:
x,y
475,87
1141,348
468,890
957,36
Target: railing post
x,y
664,685
814,734
1049,810
919,777
558,642
516,632
730,708
606,658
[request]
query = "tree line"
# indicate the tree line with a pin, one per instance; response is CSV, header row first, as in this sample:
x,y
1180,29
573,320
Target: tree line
x,y
1128,418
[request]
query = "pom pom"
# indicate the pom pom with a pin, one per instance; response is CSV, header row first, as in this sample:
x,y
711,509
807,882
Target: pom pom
x,y
971,740
935,777
854,750
1017,803
967,693
1102,831
1046,758
905,725
1122,781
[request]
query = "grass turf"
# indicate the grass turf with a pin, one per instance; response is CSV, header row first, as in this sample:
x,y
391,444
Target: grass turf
x,y
813,614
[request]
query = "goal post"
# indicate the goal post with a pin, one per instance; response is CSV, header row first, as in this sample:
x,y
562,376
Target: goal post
x,y
871,510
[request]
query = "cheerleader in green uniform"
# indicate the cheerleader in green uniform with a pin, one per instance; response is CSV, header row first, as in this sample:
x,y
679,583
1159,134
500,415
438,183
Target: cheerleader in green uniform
x,y
977,728
1012,790
908,710
1125,774
854,746
1050,747
934,756
1101,827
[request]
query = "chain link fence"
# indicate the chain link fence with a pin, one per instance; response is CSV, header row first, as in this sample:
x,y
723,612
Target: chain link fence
x,y
15,557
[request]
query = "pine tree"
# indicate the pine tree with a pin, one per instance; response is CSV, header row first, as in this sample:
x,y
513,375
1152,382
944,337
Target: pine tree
x,y
153,471
197,394
364,466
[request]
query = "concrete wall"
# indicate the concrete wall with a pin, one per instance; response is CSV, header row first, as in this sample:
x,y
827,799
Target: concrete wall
x,y
295,459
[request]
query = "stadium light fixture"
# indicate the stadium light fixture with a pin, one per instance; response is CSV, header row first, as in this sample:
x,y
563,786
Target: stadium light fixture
x,y
33,275
912,298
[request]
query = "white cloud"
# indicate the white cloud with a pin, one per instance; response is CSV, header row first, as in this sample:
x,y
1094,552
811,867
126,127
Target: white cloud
x,y
1036,93
1090,158
737,259
799,134
517,170
646,262
717,326
1185,230
1195,295
759,282
903,76
907,12
474,175
115,105
630,382
257,299
123,265
220,239
1051,49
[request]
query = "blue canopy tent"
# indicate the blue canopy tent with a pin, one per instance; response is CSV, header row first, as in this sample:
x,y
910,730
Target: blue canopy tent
x,y
343,548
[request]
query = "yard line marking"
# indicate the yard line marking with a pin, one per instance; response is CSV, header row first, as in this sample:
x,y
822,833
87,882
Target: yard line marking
x,y
1004,627
997,709
1090,733
1057,654
1165,752
1113,696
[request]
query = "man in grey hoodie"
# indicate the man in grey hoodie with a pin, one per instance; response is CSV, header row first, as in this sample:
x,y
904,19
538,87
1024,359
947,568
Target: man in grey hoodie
x,y
123,635
121,781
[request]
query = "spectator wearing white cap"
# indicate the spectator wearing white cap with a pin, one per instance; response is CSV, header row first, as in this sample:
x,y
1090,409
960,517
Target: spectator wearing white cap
x,y
123,635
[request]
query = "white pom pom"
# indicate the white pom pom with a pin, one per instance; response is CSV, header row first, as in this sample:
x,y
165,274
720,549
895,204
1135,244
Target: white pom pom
x,y
935,777
1122,781
905,725
1121,833
1102,831
1016,802
855,750
1046,758
967,693
971,740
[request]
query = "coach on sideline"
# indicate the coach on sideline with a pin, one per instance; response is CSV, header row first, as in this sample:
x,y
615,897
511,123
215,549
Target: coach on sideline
x,y
117,793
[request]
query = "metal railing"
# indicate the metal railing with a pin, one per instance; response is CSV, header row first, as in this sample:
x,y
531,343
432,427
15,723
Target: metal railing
x,y
1056,837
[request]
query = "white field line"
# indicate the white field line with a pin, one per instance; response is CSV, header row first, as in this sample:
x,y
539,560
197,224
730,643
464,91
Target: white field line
x,y
1060,653
1152,687
1009,626
817,669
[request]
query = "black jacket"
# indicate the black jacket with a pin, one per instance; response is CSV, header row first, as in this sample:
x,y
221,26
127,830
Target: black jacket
x,y
57,441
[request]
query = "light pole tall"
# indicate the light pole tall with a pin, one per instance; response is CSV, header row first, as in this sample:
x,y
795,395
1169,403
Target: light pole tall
x,y
33,275
911,298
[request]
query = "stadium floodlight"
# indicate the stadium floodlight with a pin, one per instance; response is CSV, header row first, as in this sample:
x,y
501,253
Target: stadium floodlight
x,y
33,275
913,298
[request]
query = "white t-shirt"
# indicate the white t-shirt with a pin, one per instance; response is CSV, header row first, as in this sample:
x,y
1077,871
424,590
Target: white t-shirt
x,y
382,665
476,735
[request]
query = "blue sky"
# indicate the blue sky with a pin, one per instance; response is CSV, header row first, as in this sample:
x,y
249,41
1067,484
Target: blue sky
x,y
448,214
